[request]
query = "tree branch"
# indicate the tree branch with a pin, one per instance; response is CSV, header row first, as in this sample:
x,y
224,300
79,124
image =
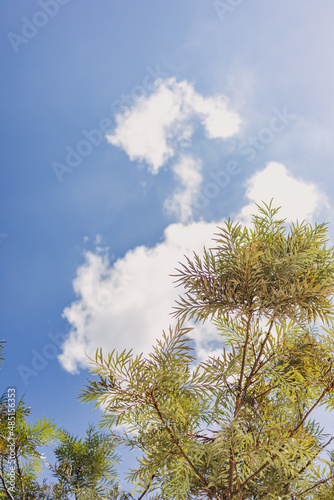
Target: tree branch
x,y
327,389
2,477
265,465
230,476
146,489
254,370
19,472
257,360
238,398
199,436
323,481
244,354
315,455
176,442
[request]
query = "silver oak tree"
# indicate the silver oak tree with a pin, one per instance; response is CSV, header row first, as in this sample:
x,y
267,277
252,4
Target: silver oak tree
x,y
85,467
239,425
21,460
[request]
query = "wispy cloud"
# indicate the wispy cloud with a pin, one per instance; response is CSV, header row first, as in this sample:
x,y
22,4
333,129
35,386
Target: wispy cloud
x,y
187,172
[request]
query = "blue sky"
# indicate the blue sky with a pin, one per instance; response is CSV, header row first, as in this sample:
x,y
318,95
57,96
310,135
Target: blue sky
x,y
178,115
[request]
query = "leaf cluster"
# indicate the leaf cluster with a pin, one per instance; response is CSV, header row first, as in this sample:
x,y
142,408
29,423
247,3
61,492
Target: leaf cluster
x,y
86,466
261,269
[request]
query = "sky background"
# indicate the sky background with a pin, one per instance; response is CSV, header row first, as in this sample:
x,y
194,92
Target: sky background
x,y
130,130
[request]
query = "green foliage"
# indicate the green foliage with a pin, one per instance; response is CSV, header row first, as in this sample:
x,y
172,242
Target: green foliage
x,y
85,468
237,426
59,491
261,271
21,449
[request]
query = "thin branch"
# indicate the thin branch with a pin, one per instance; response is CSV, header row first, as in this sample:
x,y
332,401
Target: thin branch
x,y
2,477
199,436
261,365
19,472
244,356
257,360
327,389
311,459
175,440
230,477
317,453
323,481
254,370
267,391
238,482
237,402
146,489
265,465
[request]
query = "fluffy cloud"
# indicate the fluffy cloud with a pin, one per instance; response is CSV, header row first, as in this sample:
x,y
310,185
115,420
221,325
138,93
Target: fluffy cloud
x,y
153,130
299,199
127,304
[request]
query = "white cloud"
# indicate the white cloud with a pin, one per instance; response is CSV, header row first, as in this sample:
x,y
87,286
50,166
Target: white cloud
x,y
188,174
219,123
299,199
155,128
127,304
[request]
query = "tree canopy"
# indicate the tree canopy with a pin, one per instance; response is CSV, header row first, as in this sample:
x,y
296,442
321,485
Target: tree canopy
x,y
238,425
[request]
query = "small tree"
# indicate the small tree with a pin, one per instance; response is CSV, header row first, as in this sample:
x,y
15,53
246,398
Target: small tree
x,y
85,467
237,426
84,470
20,441
20,456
